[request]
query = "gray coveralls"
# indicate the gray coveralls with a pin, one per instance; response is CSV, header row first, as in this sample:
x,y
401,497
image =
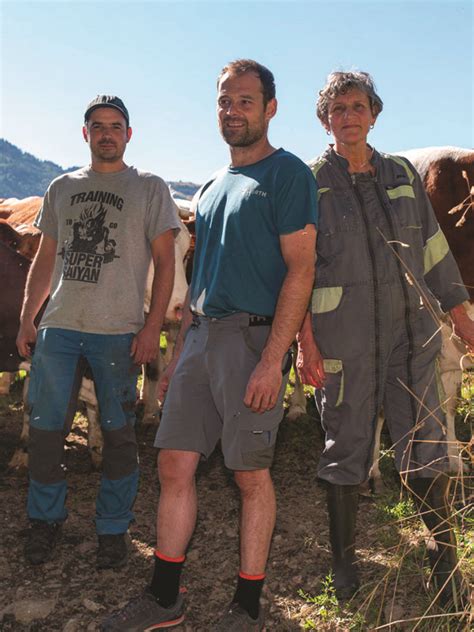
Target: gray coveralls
x,y
383,264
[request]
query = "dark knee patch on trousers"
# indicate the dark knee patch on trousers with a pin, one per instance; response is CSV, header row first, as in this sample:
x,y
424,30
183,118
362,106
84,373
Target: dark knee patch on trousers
x,y
258,447
120,452
45,455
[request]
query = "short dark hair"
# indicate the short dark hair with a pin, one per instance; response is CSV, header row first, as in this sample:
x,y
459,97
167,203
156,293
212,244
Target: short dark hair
x,y
240,66
341,82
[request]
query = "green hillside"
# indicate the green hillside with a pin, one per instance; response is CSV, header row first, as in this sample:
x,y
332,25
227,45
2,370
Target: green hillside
x,y
22,174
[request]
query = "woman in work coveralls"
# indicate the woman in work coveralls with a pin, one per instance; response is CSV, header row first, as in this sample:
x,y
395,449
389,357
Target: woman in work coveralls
x,y
384,268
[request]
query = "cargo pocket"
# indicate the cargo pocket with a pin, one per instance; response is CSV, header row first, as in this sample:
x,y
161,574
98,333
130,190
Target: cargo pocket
x,y
325,299
258,447
334,384
404,206
403,190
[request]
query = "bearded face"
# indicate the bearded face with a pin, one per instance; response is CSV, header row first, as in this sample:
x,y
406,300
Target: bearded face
x,y
243,117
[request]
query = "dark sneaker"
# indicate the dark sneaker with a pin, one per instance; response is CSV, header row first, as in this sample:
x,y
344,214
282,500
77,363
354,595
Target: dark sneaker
x,y
144,613
238,620
112,551
42,539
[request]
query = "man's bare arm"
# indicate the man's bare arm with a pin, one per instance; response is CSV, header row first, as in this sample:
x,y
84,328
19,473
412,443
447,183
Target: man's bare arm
x,y
146,344
38,285
299,253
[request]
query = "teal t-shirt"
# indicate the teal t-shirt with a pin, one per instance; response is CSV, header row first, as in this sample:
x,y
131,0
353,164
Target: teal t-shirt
x,y
240,215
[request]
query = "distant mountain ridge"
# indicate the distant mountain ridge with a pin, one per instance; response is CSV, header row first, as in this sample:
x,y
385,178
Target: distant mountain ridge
x,y
23,175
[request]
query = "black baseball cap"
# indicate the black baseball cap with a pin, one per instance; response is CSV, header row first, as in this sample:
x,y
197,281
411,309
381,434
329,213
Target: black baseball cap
x,y
107,101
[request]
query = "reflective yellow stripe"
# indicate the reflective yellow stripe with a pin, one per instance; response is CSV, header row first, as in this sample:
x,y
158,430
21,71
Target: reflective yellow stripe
x,y
401,162
325,299
405,190
436,248
335,366
315,167
321,191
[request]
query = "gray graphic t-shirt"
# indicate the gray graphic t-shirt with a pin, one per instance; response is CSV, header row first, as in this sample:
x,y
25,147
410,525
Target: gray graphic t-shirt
x,y
104,224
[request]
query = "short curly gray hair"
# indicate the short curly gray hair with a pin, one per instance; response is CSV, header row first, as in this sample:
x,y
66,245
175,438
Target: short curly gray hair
x,y
341,82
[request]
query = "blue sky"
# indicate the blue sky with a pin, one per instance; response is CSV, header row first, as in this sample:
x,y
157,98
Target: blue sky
x,y
162,58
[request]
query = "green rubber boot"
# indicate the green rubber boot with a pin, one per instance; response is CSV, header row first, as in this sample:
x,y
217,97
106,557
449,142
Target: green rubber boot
x,y
343,502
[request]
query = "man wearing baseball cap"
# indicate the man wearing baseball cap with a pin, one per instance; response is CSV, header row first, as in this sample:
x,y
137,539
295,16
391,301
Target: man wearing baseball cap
x,y
100,225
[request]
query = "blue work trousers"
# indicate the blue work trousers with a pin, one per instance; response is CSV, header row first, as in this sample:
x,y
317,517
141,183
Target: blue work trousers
x,y
58,365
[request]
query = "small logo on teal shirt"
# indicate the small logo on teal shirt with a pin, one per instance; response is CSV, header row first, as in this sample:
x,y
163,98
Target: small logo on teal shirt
x,y
248,192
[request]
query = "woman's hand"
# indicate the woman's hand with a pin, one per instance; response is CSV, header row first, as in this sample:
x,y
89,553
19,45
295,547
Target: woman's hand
x,y
309,362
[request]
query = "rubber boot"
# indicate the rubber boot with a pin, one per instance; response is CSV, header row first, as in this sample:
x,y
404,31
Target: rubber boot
x,y
430,496
342,502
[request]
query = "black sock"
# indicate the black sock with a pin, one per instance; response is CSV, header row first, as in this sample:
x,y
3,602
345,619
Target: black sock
x,y
247,595
165,582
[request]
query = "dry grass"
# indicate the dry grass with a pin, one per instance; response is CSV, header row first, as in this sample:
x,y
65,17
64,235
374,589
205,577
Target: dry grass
x,y
390,544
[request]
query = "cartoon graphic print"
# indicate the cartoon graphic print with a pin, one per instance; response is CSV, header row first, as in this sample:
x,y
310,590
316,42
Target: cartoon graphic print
x,y
90,246
90,231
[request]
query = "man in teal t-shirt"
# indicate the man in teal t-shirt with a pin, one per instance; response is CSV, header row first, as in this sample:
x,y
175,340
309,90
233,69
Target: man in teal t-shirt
x,y
252,279
241,214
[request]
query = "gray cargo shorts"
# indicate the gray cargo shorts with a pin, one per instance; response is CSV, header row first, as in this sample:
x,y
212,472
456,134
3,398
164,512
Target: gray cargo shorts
x,y
205,400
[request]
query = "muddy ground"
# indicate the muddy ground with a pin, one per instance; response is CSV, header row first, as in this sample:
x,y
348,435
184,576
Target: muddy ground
x,y
69,594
